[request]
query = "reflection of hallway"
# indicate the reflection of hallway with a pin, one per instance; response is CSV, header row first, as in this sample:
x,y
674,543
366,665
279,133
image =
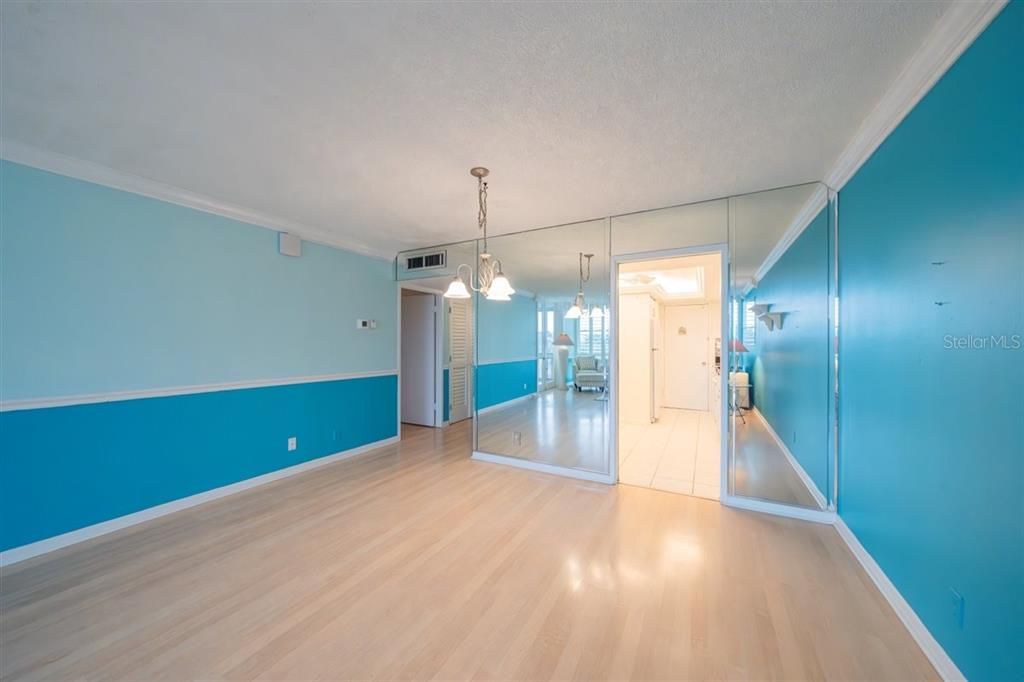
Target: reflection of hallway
x,y
679,453
762,468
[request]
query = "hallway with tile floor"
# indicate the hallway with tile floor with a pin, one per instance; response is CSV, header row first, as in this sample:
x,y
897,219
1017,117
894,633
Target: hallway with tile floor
x,y
679,453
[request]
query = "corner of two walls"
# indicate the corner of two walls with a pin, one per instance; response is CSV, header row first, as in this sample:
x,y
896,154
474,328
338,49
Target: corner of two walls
x,y
152,352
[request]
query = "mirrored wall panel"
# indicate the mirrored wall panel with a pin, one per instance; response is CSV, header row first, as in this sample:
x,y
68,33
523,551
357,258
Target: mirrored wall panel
x,y
781,365
542,355
668,403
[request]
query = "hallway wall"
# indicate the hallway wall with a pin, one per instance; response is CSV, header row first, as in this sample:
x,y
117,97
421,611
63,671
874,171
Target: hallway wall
x,y
790,366
932,467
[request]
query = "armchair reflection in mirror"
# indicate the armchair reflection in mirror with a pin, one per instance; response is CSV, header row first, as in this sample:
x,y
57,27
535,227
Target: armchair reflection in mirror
x,y
542,357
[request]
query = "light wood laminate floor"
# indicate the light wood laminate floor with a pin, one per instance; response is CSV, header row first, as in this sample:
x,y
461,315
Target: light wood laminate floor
x,y
563,428
415,562
763,470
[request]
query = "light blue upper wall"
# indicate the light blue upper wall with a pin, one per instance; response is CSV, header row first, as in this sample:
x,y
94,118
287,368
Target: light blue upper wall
x,y
790,371
506,350
506,330
103,290
931,455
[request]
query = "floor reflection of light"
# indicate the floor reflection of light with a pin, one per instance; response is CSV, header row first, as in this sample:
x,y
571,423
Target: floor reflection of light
x,y
681,549
575,574
631,575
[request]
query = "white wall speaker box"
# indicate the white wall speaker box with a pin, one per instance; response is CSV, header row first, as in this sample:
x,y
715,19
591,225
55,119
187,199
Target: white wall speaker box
x,y
289,244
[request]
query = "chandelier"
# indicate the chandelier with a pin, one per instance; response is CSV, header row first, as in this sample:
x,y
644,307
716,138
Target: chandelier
x,y
491,281
579,305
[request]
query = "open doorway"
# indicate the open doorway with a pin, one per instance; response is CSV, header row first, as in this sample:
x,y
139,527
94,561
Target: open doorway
x,y
420,370
670,406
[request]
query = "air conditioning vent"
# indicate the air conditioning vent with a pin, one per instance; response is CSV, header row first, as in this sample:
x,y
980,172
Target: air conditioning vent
x,y
426,261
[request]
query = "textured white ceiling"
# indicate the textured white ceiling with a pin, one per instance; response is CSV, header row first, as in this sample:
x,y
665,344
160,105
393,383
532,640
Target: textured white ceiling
x,y
362,119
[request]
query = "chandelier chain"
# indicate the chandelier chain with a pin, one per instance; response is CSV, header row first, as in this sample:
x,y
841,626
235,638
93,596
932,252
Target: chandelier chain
x,y
481,216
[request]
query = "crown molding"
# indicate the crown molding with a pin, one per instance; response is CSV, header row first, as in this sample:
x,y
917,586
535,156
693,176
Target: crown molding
x,y
954,32
808,211
79,169
960,26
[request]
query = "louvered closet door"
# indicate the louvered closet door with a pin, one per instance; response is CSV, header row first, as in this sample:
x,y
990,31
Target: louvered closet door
x,y
460,359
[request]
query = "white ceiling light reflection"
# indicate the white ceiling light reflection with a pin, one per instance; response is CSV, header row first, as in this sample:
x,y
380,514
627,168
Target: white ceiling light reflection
x,y
602,575
681,549
572,564
631,575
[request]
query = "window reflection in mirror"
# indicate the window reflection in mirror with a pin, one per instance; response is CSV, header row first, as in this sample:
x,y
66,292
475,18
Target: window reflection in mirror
x,y
542,357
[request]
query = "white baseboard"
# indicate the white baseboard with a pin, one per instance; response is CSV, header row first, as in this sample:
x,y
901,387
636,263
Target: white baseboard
x,y
507,403
16,554
779,509
543,468
944,665
800,472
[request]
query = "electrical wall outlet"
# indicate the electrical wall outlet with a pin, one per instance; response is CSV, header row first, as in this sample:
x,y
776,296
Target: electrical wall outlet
x,y
293,443
517,438
524,387
958,607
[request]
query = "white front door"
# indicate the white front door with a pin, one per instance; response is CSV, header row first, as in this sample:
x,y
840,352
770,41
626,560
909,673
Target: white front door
x,y
685,352
460,359
418,357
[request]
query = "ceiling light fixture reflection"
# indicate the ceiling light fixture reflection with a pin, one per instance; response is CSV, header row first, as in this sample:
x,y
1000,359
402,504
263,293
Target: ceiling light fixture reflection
x,y
492,282
578,304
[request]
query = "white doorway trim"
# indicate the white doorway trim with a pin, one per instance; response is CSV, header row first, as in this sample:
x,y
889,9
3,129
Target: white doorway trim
x,y
438,352
613,379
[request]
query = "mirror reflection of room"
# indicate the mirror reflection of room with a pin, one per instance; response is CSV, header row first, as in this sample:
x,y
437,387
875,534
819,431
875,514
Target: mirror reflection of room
x,y
779,368
669,335
542,358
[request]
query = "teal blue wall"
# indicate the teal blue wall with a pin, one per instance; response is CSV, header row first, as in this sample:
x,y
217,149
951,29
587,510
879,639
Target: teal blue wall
x,y
506,350
65,468
105,291
500,382
790,366
932,466
447,395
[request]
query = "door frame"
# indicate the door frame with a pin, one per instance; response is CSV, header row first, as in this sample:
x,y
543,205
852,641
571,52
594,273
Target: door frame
x,y
722,249
438,351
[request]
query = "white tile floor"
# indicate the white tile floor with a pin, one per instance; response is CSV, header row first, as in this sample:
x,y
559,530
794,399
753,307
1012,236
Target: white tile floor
x,y
678,453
